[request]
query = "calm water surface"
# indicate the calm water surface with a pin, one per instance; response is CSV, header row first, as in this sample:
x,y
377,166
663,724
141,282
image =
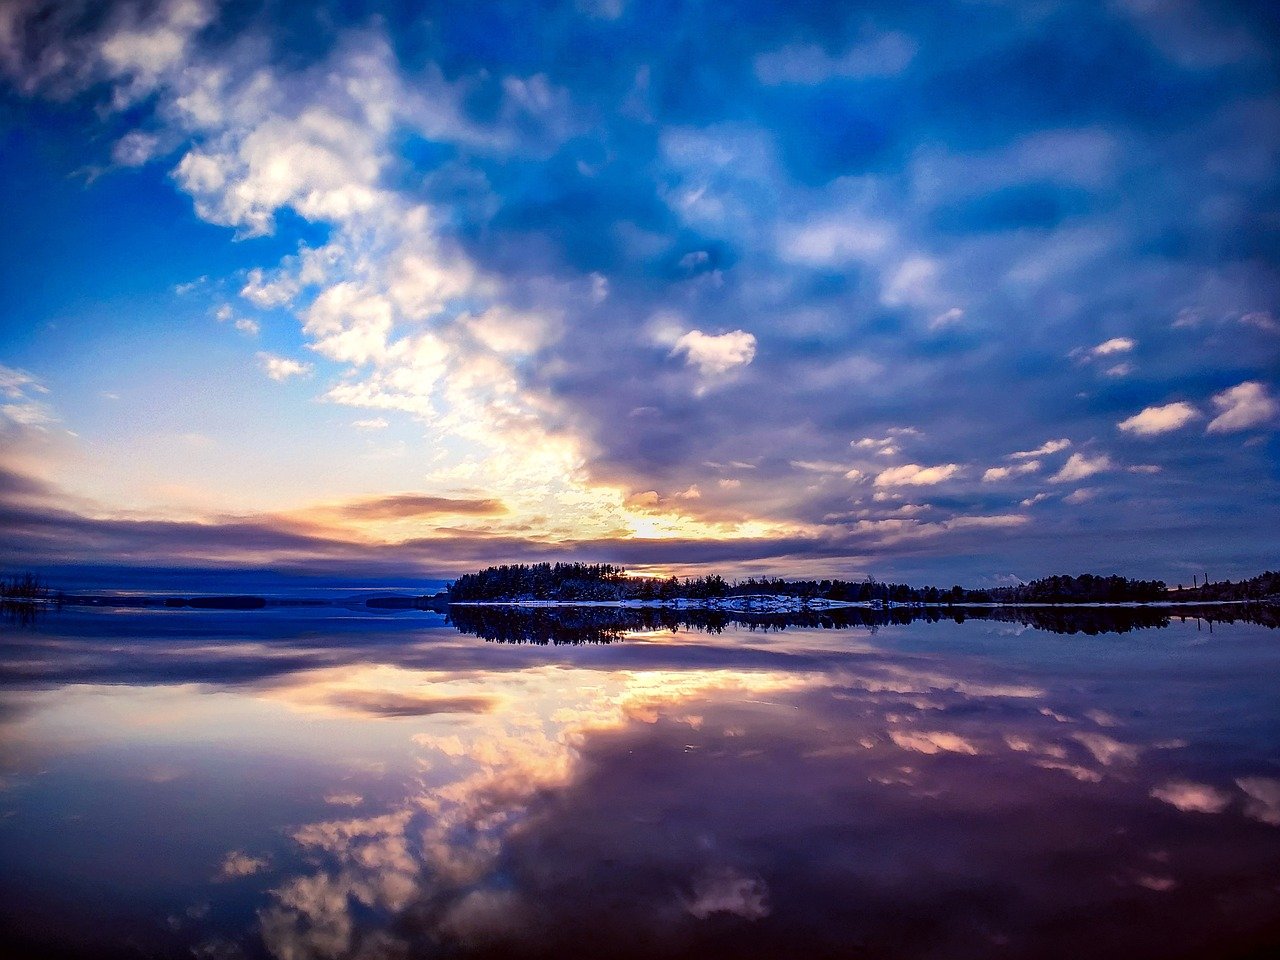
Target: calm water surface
x,y
333,783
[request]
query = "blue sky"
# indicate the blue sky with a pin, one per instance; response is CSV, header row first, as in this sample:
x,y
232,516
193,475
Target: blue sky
x,y
959,291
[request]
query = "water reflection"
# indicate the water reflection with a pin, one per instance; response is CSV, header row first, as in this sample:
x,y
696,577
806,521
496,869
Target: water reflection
x,y
324,785
21,613
571,625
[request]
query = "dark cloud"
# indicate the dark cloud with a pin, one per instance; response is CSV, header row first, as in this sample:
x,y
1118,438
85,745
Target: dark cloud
x,y
13,485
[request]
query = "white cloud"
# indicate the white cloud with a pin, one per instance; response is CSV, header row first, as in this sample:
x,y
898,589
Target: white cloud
x,y
1113,346
1107,750
1243,407
937,741
994,474
914,475
1156,420
834,242
1192,797
142,52
344,799
250,328
321,163
282,368
373,423
1083,495
1046,448
1079,466
268,293
715,356
238,864
350,322
135,148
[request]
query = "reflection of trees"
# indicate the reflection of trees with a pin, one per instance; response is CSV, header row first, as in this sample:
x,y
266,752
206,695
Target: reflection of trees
x,y
576,625
21,598
20,612
1083,620
568,624
1096,620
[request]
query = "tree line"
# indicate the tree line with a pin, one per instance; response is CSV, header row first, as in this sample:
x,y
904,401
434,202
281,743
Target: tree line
x,y
1261,587
603,581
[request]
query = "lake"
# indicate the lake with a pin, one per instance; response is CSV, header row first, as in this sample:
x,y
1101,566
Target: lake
x,y
334,782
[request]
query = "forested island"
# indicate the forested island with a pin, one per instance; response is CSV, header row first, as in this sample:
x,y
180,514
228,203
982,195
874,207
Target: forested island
x,y
597,583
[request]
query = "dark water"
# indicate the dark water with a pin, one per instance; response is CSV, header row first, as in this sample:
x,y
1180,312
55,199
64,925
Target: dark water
x,y
332,783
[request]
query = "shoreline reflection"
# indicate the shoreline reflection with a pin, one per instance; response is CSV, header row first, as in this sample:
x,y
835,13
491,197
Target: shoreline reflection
x,y
586,624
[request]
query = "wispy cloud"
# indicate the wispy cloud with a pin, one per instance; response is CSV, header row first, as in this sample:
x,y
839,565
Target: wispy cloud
x,y
994,474
1080,466
1044,450
26,408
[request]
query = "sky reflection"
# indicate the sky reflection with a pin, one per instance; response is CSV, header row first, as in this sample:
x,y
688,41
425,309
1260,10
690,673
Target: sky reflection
x,y
389,787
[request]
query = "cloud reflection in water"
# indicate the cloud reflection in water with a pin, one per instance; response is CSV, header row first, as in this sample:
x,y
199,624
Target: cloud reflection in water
x,y
923,790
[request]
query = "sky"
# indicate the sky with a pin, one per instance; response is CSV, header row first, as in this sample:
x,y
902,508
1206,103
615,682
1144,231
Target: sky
x,y
964,291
